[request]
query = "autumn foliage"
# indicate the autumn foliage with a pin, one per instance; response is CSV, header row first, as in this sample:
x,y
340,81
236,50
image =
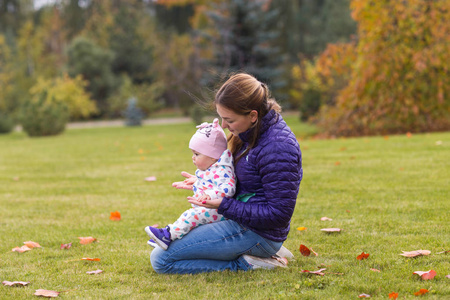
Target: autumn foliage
x,y
396,77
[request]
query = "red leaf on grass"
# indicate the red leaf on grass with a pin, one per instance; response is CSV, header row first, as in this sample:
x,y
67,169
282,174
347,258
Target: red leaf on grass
x,y
87,240
393,295
46,293
21,249
304,250
65,246
421,292
318,272
115,216
301,228
363,296
32,245
90,259
330,230
362,256
415,253
426,275
94,272
15,283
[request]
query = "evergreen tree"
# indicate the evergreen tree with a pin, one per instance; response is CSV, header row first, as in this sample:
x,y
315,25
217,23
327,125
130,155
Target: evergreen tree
x,y
245,41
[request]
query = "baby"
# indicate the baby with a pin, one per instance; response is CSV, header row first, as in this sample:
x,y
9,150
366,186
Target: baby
x,y
215,179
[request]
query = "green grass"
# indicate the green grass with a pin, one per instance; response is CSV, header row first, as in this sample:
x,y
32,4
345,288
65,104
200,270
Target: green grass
x,y
387,195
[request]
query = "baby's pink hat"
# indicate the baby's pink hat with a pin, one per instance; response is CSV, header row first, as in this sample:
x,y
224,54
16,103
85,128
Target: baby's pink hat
x,y
209,140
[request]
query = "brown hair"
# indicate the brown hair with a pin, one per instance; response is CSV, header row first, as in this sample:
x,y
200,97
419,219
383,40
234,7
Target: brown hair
x,y
242,93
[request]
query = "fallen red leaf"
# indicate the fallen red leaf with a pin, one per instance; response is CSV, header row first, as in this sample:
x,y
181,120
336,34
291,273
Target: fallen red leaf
x,y
337,163
94,272
304,250
115,216
301,228
393,295
331,230
32,245
65,246
426,275
415,253
21,249
90,259
362,256
318,272
15,283
325,219
87,240
421,292
46,293
363,296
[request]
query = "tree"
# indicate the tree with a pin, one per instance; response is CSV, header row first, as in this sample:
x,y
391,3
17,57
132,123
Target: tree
x,y
244,40
95,65
400,79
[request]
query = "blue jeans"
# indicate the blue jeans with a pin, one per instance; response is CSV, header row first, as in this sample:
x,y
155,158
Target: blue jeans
x,y
212,247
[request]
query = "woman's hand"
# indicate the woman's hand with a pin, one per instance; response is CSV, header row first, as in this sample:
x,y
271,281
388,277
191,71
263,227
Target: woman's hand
x,y
205,201
186,184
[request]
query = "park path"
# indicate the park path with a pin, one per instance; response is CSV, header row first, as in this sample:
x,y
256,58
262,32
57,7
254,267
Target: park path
x,y
120,123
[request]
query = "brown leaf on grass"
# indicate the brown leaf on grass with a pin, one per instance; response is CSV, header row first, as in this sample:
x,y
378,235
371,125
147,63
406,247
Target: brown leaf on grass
x,y
393,295
363,296
325,219
46,293
115,216
375,270
318,272
94,272
443,252
21,249
65,246
32,245
15,283
426,275
362,256
90,259
301,228
338,163
330,230
415,253
421,292
87,240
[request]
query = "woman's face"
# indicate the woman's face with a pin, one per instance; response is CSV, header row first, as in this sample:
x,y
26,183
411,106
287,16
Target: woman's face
x,y
236,123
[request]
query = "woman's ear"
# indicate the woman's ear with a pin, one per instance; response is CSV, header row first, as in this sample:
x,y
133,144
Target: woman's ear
x,y
253,116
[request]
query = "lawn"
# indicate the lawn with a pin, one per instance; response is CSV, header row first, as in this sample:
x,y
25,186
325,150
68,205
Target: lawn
x,y
387,194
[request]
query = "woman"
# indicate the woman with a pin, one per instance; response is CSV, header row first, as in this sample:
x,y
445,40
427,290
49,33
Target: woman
x,y
268,166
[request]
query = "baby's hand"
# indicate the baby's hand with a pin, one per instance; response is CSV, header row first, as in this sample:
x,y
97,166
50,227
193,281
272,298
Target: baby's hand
x,y
186,184
205,201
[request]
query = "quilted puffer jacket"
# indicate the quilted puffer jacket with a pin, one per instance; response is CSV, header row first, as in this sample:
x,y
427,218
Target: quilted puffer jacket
x,y
269,177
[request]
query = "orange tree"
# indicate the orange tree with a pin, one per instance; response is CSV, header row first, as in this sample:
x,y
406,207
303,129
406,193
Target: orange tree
x,y
399,80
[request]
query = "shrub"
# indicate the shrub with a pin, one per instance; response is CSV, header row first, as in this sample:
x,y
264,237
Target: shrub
x,y
42,118
6,123
197,114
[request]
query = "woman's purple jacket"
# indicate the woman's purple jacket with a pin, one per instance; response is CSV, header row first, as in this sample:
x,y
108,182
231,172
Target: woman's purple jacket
x,y
272,171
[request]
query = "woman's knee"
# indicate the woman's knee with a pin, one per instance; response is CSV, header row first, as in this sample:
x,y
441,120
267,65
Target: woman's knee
x,y
157,262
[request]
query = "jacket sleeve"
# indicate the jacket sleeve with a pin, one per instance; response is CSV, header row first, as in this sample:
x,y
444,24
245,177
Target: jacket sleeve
x,y
224,183
279,167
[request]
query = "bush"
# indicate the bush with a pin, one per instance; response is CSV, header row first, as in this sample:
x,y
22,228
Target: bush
x,y
197,114
42,118
6,123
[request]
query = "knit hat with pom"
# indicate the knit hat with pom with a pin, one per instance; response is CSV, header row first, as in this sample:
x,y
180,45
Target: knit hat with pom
x,y
209,140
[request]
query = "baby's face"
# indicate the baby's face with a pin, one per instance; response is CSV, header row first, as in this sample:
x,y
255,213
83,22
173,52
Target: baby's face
x,y
202,162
